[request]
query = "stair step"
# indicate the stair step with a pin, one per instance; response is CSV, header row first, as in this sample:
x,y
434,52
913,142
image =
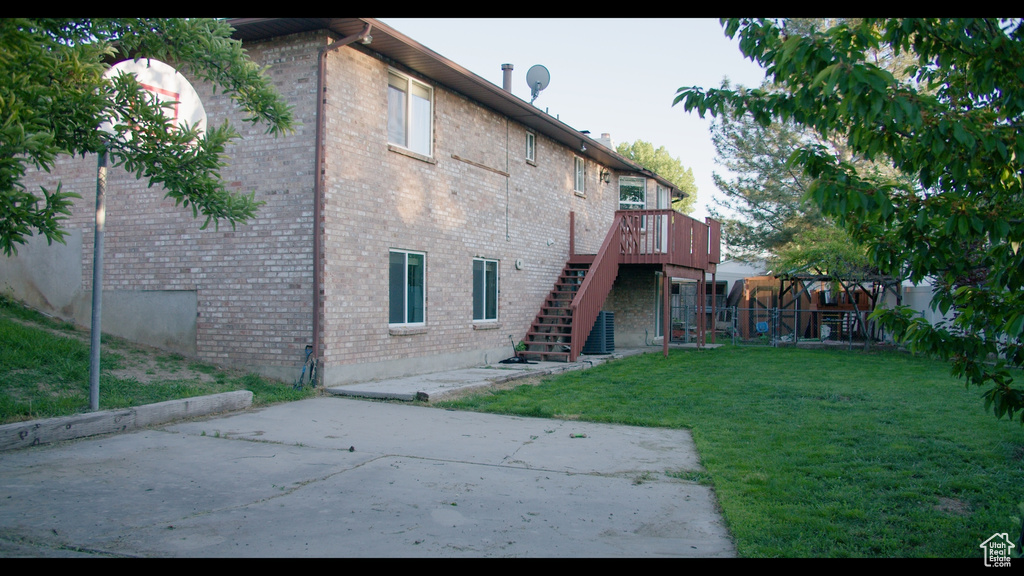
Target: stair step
x,y
547,343
542,338
551,331
557,302
535,328
548,328
564,354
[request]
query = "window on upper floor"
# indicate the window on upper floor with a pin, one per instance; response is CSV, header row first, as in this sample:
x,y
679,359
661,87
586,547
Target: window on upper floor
x,y
410,113
406,283
580,175
485,289
664,198
632,193
531,147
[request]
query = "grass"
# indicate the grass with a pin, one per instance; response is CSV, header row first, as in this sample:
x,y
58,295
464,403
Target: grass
x,y
813,453
44,371
810,452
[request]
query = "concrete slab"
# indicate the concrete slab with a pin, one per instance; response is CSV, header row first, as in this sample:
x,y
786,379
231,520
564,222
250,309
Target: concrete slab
x,y
49,430
354,478
433,386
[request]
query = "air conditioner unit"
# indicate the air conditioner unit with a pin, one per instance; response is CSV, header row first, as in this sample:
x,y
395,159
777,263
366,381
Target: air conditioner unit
x,y
602,337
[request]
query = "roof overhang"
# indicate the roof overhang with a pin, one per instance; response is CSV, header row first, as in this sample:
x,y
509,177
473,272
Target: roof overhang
x,y
400,48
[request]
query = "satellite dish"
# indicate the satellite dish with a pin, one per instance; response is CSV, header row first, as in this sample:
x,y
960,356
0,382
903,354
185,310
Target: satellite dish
x,y
537,78
166,84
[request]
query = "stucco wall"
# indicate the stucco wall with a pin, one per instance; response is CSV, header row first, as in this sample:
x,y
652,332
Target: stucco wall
x,y
47,277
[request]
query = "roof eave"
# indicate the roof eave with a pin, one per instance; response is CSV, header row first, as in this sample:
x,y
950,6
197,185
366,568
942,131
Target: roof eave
x,y
402,49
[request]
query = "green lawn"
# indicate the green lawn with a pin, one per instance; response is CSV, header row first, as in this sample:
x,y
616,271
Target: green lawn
x,y
825,453
810,452
44,371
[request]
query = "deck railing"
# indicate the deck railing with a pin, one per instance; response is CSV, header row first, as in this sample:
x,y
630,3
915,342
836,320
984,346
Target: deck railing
x,y
666,237
640,237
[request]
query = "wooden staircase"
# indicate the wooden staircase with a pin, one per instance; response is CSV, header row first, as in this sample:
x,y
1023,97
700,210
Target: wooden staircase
x,y
550,335
681,246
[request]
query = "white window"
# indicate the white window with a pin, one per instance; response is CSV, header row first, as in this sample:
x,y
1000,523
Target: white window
x,y
406,283
410,113
632,193
581,172
664,199
485,289
531,147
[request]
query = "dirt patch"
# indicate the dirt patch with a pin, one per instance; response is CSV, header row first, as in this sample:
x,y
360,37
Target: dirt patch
x,y
71,331
460,393
148,369
145,364
1018,453
952,506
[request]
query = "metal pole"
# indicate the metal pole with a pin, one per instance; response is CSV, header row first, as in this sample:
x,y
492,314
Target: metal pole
x,y
97,281
735,324
666,311
714,307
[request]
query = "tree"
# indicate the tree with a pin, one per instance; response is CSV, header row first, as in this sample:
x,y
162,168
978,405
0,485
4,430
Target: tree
x,y
53,98
768,192
951,127
665,165
763,202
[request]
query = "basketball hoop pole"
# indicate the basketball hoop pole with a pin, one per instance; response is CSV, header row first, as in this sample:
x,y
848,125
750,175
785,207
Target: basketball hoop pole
x,y
97,281
159,79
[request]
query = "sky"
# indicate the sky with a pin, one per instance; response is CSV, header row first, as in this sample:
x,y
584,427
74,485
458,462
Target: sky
x,y
616,76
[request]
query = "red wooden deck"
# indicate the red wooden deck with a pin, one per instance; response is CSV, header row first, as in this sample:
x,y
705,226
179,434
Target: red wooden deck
x,y
682,246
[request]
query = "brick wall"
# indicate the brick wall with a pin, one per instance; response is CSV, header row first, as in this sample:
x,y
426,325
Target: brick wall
x,y
254,283
475,197
633,299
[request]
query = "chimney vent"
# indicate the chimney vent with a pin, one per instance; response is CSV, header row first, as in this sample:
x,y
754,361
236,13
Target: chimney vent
x,y
506,80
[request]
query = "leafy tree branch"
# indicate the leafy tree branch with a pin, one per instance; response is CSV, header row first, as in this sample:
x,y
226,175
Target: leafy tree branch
x,y
54,96
949,204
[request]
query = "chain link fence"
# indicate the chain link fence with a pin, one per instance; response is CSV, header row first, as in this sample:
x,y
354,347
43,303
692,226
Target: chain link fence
x,y
772,326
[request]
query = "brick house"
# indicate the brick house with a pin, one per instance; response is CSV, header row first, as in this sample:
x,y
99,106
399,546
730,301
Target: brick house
x,y
420,218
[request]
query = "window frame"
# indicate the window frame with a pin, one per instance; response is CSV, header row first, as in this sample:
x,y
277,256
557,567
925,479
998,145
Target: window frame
x,y
579,181
664,197
634,205
410,115
531,148
405,288
490,292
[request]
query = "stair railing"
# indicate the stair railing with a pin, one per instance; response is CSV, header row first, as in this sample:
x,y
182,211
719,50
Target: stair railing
x,y
597,284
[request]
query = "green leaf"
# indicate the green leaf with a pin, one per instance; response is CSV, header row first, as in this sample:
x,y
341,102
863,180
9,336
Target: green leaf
x,y
55,97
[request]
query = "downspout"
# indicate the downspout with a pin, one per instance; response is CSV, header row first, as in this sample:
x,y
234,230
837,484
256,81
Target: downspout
x,y
318,183
506,85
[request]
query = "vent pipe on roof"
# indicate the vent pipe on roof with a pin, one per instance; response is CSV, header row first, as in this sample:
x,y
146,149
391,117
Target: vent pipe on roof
x,y
506,79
